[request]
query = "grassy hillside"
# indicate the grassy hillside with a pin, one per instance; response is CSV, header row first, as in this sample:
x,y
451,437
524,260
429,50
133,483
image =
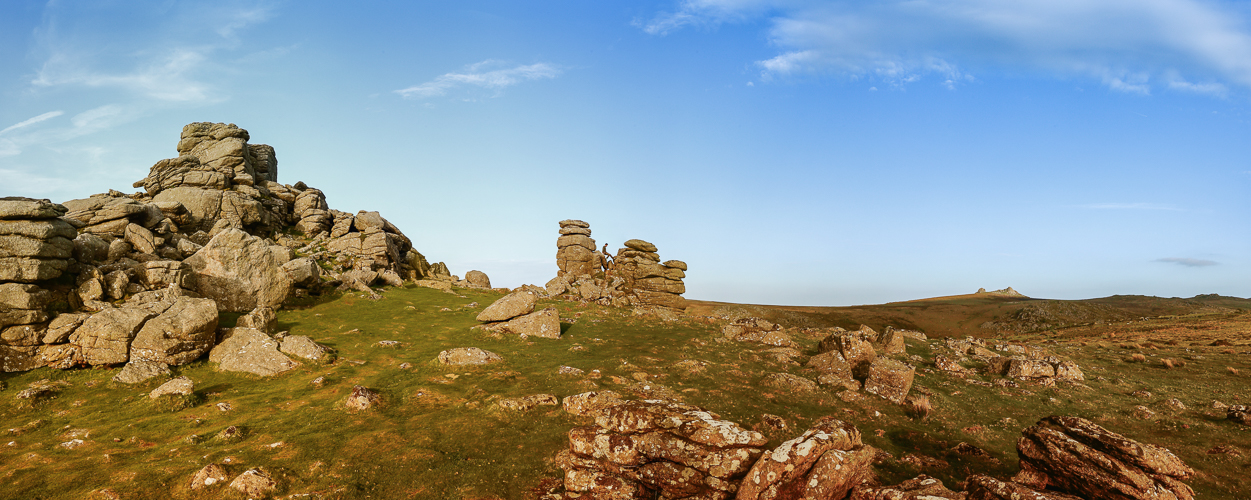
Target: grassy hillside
x,y
440,432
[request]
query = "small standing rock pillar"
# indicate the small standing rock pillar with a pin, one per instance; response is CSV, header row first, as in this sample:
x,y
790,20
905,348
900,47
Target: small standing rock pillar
x,y
575,254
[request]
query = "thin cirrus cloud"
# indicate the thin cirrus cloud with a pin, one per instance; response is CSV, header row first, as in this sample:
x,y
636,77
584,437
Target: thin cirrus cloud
x,y
481,77
26,123
1132,46
1188,262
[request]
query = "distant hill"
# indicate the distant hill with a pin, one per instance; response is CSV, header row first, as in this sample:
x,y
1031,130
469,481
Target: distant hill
x,y
982,314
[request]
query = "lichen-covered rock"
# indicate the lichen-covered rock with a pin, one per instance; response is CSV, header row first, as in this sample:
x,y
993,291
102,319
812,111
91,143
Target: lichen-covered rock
x,y
179,335
138,371
656,447
249,350
790,384
921,487
988,488
478,279
588,404
889,379
241,272
1075,455
825,462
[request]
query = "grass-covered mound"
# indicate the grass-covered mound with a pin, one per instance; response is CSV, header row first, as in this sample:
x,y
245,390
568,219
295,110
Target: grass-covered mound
x,y
441,432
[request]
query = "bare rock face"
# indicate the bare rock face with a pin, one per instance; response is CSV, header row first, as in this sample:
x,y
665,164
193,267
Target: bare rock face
x,y
463,356
1076,456
640,449
825,462
105,338
544,323
508,307
261,318
362,398
138,371
180,335
35,243
241,272
249,350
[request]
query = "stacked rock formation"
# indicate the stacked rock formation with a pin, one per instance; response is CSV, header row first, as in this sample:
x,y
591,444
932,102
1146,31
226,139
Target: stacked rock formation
x,y
639,449
575,250
144,276
653,283
636,278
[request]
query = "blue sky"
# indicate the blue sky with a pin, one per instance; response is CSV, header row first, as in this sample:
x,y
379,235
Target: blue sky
x,y
792,152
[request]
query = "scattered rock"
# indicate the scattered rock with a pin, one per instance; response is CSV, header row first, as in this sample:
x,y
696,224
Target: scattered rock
x,y
462,356
544,323
304,347
889,379
210,475
588,404
249,350
362,399
138,371
181,386
254,482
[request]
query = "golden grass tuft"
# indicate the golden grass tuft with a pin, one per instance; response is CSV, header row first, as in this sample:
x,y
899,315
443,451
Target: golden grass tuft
x,y
918,405
1231,370
1136,358
1167,362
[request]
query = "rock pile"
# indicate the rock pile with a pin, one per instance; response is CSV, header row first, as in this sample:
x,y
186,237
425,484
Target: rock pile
x,y
148,272
514,313
639,449
1007,360
647,279
575,250
851,360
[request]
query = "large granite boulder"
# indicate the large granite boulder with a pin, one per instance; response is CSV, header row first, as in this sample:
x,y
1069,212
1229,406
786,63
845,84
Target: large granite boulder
x,y
827,461
251,351
575,250
241,272
508,307
106,336
650,448
544,323
1076,456
180,335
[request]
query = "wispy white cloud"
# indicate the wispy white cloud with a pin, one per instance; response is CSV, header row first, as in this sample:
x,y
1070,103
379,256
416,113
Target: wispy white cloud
x,y
1131,206
479,75
168,78
28,122
1188,262
1131,46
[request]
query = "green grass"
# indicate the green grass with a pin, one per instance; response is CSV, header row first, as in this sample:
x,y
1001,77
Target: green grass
x,y
439,433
